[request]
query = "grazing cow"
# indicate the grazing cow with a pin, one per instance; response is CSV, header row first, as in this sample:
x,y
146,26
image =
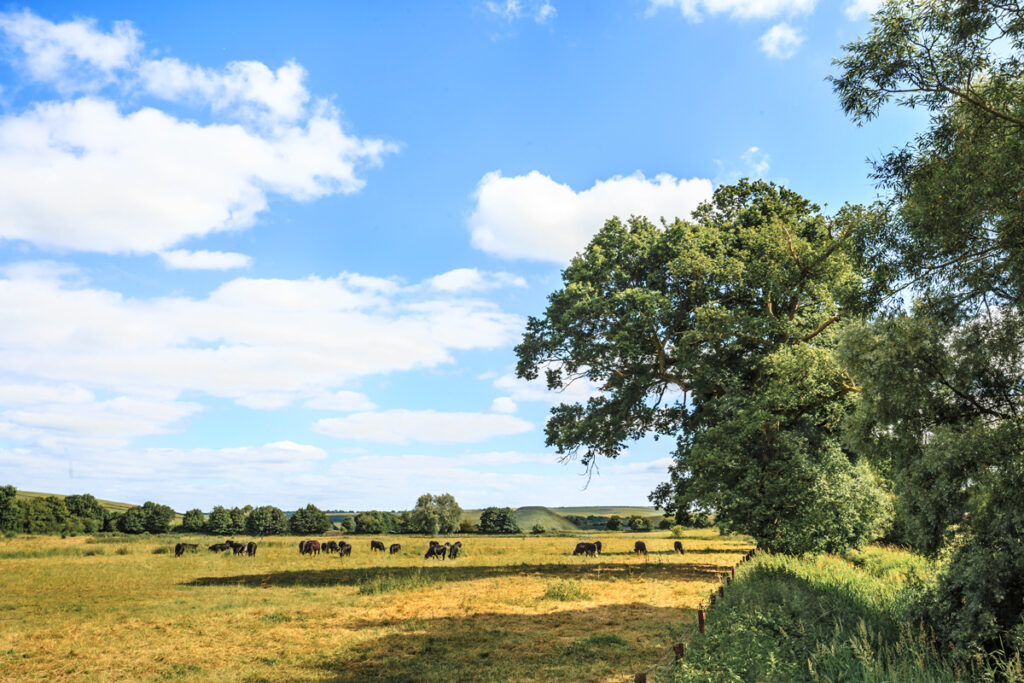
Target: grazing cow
x,y
329,547
395,547
377,545
219,547
597,544
180,548
678,547
238,548
584,548
314,547
453,551
436,551
640,548
344,549
250,549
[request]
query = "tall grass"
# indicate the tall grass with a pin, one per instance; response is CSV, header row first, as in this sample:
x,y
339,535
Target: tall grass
x,y
826,618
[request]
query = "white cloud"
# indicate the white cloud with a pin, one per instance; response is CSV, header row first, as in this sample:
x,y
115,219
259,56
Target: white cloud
x,y
91,423
503,404
757,161
511,10
423,426
473,280
261,342
341,401
182,259
781,41
246,87
694,10
80,174
534,217
858,9
537,390
73,55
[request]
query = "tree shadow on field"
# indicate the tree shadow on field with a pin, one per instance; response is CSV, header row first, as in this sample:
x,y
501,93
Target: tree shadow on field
x,y
349,576
612,641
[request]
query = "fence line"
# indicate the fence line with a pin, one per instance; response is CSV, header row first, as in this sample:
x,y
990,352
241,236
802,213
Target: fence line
x,y
677,652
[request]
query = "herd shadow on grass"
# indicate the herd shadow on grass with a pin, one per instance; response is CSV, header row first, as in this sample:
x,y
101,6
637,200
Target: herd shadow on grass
x,y
586,644
350,576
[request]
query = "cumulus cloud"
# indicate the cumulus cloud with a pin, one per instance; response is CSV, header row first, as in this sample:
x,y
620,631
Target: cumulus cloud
x,y
80,173
422,426
858,9
781,41
694,10
503,404
533,217
182,259
74,55
263,343
473,280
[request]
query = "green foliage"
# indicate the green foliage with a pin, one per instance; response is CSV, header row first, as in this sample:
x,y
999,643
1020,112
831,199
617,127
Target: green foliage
x,y
614,523
309,520
348,524
10,510
941,412
434,515
538,529
495,520
84,506
239,516
266,520
666,522
677,531
762,283
565,590
594,522
133,521
377,522
193,521
638,523
157,518
219,522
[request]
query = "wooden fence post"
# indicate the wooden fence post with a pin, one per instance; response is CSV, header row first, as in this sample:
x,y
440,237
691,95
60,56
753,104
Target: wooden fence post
x,y
700,620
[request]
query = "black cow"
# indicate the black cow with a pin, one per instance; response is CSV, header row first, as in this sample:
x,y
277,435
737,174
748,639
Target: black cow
x,y
584,548
597,544
678,547
219,547
329,547
238,548
344,549
377,545
250,549
640,548
436,551
395,547
180,548
453,551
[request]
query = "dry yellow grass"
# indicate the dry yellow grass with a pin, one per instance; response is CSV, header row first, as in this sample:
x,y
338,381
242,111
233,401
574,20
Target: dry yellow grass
x,y
507,609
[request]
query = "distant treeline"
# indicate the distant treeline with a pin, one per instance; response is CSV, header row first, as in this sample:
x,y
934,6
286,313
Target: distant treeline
x,y
85,514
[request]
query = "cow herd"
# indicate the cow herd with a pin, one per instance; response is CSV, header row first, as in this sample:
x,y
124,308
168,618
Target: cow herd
x,y
436,551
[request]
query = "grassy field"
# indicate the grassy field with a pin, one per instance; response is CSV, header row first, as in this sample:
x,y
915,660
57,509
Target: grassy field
x,y
508,609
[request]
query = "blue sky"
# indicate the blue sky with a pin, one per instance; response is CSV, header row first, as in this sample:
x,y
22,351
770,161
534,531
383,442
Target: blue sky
x,y
252,253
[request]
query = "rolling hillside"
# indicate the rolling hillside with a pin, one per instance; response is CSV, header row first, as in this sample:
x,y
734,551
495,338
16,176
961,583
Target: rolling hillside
x,y
109,505
528,516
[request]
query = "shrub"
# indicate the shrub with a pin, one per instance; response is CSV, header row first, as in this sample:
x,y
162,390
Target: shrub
x,y
676,531
614,523
160,550
123,550
538,528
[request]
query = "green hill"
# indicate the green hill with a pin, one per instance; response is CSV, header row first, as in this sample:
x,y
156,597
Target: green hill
x,y
528,516
607,511
109,505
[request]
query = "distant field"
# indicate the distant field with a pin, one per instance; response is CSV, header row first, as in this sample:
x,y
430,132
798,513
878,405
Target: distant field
x,y
621,511
509,609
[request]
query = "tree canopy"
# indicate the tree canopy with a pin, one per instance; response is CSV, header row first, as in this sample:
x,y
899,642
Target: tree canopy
x,y
720,332
941,410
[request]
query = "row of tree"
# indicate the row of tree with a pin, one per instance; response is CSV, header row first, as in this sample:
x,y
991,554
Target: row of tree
x,y
830,379
77,514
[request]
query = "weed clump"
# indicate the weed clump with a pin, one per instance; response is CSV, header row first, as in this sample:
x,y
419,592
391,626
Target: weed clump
x,y
393,583
594,645
565,590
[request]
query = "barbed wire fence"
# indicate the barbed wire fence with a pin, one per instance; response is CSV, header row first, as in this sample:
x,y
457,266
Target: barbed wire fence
x,y
676,654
